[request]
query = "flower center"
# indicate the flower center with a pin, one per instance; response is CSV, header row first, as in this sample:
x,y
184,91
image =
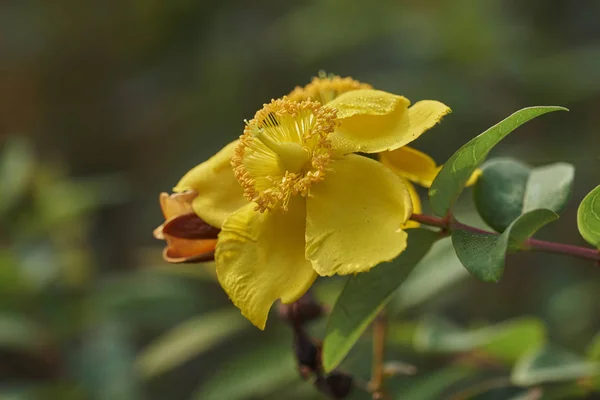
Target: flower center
x,y
284,149
326,88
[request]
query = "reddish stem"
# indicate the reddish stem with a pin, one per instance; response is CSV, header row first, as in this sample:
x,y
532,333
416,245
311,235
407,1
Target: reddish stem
x,y
532,244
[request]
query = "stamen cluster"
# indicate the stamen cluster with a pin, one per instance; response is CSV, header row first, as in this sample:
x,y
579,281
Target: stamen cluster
x,y
260,162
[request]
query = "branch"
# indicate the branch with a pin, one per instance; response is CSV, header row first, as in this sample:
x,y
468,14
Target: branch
x,y
447,224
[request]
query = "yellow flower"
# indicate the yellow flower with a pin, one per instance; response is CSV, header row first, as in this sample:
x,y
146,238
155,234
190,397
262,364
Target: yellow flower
x,y
412,165
297,203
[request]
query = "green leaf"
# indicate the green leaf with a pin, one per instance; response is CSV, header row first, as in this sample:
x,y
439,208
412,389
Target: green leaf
x,y
187,340
508,188
252,375
455,173
588,217
506,341
551,364
364,295
438,270
483,254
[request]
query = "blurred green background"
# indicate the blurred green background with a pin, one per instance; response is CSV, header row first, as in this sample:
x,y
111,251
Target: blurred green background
x,y
104,104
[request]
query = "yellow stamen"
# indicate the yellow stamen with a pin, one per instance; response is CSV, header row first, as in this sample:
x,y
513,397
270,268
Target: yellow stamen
x,y
283,150
324,89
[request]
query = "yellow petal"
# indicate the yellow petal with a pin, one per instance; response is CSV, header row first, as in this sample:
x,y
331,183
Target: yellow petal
x,y
416,205
411,164
260,258
219,193
354,217
370,121
473,178
416,166
423,115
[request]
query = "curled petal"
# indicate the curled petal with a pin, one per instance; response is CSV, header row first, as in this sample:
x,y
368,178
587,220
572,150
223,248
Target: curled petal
x,y
260,258
176,203
219,192
416,205
189,251
411,164
354,217
416,166
422,116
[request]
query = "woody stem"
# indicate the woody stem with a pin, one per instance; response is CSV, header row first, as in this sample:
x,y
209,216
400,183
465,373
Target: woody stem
x,y
531,244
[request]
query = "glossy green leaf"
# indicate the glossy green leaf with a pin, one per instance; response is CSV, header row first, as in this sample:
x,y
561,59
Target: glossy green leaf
x,y
483,254
506,341
438,270
508,188
364,295
252,375
588,217
551,364
188,340
455,173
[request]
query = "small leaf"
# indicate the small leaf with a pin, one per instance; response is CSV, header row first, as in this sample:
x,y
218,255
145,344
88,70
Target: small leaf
x,y
588,217
550,364
478,254
549,187
483,254
507,189
499,192
364,295
187,340
455,173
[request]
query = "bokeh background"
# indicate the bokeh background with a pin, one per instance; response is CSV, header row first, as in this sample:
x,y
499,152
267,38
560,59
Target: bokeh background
x,y
104,104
